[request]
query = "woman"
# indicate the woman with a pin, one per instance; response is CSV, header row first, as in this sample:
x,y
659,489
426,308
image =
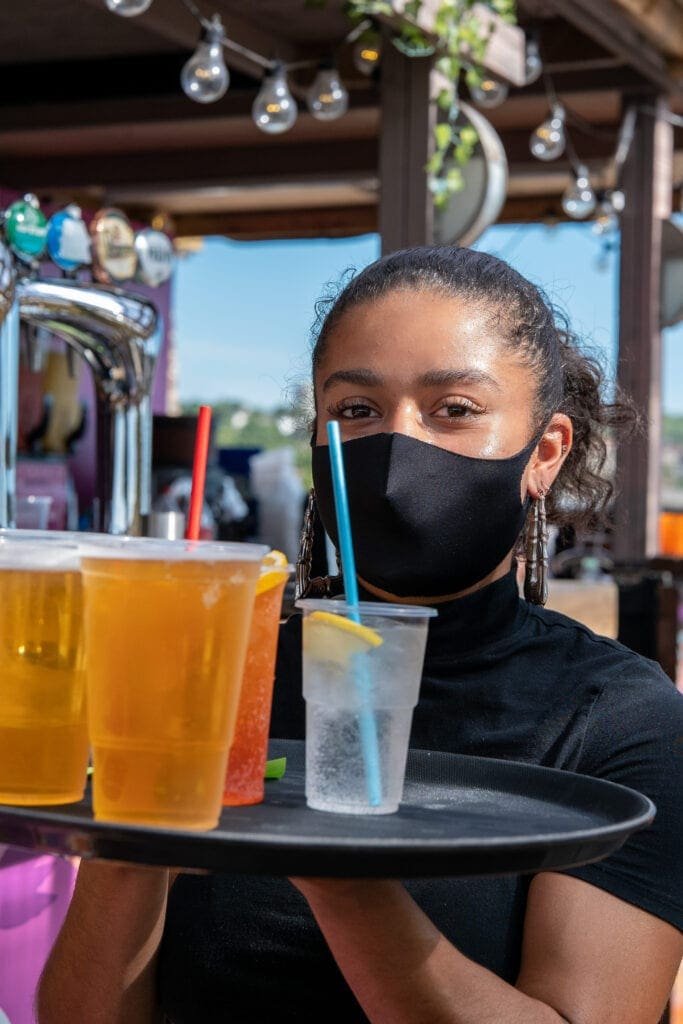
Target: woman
x,y
466,410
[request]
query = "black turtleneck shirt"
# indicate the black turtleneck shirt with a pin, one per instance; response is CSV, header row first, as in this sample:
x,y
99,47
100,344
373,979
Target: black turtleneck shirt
x,y
501,679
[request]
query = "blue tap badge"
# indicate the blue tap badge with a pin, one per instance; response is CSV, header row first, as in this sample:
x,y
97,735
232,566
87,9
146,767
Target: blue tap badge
x,y
68,239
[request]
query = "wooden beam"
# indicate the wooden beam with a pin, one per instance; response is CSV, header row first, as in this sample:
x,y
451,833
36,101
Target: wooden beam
x,y
661,21
330,222
406,206
646,181
356,158
609,26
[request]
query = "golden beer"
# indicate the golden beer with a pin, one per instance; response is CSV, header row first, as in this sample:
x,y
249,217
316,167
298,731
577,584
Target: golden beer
x,y
166,632
43,738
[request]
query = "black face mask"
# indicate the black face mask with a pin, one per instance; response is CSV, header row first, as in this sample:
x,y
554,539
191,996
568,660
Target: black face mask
x,y
425,521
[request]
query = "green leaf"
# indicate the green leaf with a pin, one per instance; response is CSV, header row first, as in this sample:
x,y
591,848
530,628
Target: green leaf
x,y
435,163
443,133
468,136
275,769
474,77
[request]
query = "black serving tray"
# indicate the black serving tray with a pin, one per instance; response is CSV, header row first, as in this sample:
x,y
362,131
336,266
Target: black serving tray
x,y
460,816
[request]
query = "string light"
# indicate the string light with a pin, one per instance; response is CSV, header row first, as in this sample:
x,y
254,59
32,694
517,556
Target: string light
x,y
490,92
548,141
205,78
274,110
533,65
128,8
327,97
367,51
579,201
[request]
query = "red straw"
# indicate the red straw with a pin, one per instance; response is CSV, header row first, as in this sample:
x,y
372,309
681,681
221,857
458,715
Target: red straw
x,y
201,454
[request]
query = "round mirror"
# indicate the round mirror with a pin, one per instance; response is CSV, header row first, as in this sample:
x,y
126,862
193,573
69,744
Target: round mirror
x,y
478,205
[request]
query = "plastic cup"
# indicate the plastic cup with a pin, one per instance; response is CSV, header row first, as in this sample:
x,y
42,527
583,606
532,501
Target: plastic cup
x,y
43,737
166,628
344,677
33,511
244,778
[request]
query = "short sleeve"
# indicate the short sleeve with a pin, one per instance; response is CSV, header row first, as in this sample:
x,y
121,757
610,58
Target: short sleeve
x,y
634,736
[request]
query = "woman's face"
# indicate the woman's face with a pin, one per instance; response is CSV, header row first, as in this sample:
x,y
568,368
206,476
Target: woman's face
x,y
433,367
438,369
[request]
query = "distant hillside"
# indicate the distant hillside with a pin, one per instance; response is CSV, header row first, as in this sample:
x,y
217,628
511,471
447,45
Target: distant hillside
x,y
673,430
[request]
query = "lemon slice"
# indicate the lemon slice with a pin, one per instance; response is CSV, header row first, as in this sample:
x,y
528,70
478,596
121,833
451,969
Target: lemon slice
x,y
330,637
274,571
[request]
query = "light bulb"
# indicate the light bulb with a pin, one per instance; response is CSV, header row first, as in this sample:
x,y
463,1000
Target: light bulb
x,y
327,97
204,77
548,141
367,52
490,92
533,65
606,222
579,201
617,200
128,8
274,110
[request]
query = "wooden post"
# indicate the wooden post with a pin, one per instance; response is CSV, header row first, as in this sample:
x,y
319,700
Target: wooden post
x,y
647,185
406,207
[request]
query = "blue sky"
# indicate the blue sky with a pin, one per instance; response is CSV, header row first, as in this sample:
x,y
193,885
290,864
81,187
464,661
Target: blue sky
x,y
243,310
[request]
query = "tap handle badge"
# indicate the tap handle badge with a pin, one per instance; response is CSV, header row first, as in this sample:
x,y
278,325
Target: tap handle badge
x,y
113,247
156,257
26,229
68,240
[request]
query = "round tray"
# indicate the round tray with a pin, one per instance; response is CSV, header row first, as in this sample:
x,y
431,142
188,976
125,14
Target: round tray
x,y
460,816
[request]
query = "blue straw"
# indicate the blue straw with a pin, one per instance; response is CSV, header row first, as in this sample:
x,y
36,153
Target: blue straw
x,y
368,725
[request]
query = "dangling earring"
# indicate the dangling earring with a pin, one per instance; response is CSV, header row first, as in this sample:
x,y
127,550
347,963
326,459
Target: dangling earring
x,y
536,572
320,586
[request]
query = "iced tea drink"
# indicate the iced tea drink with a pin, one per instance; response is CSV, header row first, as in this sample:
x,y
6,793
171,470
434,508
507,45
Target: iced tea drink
x,y
166,626
43,738
244,782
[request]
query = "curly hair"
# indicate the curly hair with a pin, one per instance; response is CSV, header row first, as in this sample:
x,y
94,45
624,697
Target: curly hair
x,y
568,379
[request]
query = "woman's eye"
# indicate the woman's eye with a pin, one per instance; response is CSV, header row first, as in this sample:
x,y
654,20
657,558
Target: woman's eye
x,y
457,410
355,412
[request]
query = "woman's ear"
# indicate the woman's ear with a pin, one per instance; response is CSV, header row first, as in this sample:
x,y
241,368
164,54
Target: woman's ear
x,y
551,451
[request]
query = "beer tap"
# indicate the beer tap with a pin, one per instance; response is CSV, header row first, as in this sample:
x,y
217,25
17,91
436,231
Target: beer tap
x,y
106,327
9,386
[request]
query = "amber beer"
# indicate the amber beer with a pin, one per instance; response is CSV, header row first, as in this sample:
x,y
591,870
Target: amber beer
x,y
166,625
43,738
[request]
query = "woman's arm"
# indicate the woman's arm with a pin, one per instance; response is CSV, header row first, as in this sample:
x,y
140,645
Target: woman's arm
x,y
101,968
588,958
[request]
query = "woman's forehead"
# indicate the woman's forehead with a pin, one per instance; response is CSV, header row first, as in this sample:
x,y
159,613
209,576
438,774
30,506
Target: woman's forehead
x,y
416,332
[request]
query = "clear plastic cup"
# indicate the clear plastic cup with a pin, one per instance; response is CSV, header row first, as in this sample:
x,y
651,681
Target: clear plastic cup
x,y
350,672
33,511
166,628
43,737
244,779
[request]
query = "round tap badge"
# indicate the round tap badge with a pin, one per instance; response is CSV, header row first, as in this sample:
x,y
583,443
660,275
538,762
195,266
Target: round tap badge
x,y
113,242
156,256
26,228
68,241
6,283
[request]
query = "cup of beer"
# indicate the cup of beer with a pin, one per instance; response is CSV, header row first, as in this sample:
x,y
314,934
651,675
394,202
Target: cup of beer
x,y
43,737
166,629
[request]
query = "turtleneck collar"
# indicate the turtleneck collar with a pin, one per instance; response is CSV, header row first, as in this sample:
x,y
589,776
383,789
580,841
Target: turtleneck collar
x,y
467,624
479,620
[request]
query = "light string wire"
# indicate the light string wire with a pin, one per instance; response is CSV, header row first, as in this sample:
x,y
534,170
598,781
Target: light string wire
x,y
267,64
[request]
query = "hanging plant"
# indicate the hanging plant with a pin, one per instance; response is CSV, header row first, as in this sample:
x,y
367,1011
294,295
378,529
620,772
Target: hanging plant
x,y
459,39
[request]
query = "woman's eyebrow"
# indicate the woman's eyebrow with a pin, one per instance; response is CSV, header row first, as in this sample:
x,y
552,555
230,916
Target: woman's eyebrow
x,y
363,378
446,378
